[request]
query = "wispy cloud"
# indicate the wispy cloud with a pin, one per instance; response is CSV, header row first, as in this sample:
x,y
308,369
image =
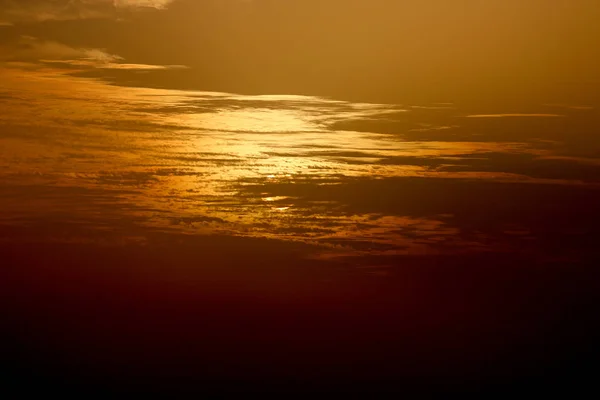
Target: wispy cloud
x,y
570,106
99,63
44,10
158,4
32,49
514,115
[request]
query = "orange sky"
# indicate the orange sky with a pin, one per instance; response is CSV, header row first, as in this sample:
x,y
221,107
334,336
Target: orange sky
x,y
376,49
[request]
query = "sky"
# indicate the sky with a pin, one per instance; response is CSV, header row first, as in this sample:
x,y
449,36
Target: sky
x,y
207,111
380,49
327,192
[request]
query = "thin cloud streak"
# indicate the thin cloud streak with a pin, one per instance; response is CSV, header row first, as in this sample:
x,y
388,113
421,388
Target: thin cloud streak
x,y
64,10
93,63
32,49
514,115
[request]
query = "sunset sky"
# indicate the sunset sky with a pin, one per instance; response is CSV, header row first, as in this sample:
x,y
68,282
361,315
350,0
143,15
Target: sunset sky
x,y
429,50
299,189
